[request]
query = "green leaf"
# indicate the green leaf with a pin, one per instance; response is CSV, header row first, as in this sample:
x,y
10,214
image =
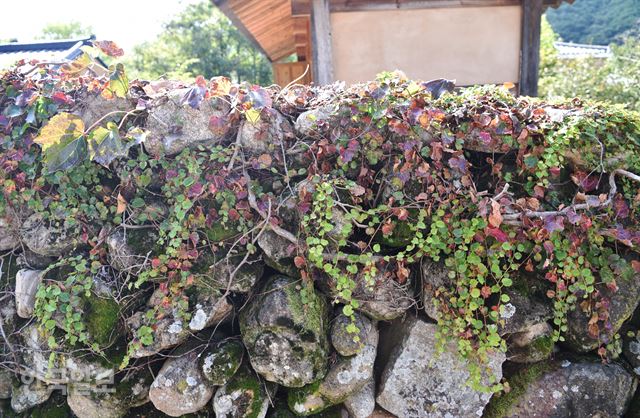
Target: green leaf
x,y
137,203
347,310
71,155
105,145
118,83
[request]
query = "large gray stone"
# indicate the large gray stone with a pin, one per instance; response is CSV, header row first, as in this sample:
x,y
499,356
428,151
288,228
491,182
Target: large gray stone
x,y
174,126
179,387
244,396
266,135
66,367
344,342
384,298
27,282
46,237
220,362
26,396
362,403
210,309
622,304
420,382
344,379
567,390
92,403
285,337
245,275
313,122
9,237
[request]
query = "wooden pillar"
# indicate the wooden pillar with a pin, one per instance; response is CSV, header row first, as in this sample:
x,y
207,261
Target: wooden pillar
x,y
321,42
530,50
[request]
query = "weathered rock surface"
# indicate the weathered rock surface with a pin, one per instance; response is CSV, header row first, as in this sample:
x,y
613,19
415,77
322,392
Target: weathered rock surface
x,y
27,282
179,388
94,107
345,378
44,238
104,404
121,255
522,313
530,346
286,339
417,382
278,253
170,331
384,299
266,135
174,125
622,304
362,403
572,390
6,383
9,238
244,396
245,277
35,352
25,396
220,362
314,122
343,341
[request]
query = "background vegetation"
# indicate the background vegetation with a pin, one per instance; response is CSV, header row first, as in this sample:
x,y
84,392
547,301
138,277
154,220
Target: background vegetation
x,y
614,79
200,41
595,21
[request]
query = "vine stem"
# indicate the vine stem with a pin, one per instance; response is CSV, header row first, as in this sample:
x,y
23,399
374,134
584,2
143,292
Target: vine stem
x,y
254,205
613,189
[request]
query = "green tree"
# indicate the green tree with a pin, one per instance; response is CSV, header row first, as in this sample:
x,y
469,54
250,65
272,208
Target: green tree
x,y
65,30
200,41
595,21
614,79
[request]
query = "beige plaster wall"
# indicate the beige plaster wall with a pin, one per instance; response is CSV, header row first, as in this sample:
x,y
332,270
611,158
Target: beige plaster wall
x,y
472,45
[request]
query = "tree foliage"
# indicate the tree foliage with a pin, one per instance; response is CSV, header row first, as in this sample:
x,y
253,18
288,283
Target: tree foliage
x,y
65,30
614,79
201,41
595,21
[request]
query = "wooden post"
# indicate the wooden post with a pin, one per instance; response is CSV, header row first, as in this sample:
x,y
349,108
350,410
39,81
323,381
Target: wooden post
x,y
321,42
530,51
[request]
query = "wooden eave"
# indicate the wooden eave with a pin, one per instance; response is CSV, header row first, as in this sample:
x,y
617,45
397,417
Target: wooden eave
x,y
268,24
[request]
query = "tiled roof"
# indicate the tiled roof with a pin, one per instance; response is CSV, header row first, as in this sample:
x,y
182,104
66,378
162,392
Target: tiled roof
x,y
54,51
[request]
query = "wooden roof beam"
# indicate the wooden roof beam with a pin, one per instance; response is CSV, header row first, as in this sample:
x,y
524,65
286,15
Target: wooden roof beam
x,y
223,5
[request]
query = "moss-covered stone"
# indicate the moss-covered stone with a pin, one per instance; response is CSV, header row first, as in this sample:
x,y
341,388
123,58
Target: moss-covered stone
x,y
285,335
218,365
500,404
101,316
220,232
243,396
307,400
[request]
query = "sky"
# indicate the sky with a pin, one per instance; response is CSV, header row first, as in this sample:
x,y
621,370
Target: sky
x,y
126,22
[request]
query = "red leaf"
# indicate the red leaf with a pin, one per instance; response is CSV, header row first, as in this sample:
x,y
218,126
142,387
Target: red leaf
x,y
497,233
299,261
636,265
110,48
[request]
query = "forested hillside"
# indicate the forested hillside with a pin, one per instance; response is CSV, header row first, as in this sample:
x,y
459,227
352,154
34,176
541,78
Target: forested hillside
x,y
595,21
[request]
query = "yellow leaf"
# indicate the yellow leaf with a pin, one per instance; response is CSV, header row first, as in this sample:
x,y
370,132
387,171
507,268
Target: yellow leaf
x,y
252,115
220,86
122,204
61,129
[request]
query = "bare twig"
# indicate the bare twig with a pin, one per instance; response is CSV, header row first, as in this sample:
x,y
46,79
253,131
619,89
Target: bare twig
x,y
254,205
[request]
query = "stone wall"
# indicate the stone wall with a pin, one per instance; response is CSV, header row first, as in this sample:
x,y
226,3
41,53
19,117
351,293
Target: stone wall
x,y
386,249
